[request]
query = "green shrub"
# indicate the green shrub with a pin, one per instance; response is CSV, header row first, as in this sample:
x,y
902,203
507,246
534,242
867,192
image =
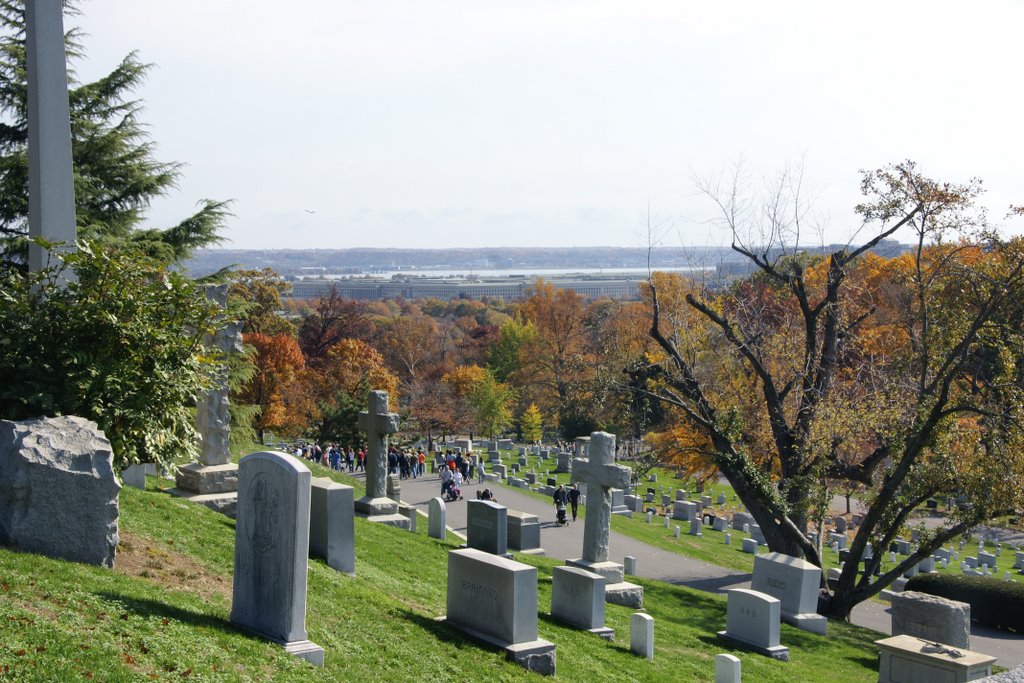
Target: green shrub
x,y
120,343
995,603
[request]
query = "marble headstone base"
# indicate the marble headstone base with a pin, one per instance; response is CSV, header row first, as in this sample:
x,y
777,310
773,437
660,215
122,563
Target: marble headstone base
x,y
215,486
779,652
616,591
382,511
303,649
537,655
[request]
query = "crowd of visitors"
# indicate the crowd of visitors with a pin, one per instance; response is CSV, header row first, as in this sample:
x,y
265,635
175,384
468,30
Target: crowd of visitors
x,y
333,456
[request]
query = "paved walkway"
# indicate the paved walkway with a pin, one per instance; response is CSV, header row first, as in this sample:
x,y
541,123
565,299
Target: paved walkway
x,y
566,542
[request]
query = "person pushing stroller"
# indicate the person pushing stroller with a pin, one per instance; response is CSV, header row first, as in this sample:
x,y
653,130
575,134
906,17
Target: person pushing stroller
x,y
560,499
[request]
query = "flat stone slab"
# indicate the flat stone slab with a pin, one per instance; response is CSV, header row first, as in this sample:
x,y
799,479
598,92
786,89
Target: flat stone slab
x,y
224,503
906,658
204,479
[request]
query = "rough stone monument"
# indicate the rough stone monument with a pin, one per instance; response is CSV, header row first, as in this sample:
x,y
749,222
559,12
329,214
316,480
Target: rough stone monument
x,y
213,480
932,618
377,422
58,492
600,474
271,551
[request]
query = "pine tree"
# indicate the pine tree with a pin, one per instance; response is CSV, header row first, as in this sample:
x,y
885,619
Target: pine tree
x,y
116,174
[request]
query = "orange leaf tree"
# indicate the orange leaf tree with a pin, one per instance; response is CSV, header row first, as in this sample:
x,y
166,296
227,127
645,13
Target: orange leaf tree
x,y
818,370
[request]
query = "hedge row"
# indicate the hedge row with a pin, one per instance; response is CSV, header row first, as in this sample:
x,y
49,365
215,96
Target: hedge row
x,y
994,602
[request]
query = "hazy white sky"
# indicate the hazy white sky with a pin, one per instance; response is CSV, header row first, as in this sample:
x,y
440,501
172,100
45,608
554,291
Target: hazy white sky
x,y
554,122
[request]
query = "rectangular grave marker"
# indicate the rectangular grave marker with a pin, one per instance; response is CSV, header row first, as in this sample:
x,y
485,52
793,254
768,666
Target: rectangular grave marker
x,y
494,599
752,621
271,550
332,533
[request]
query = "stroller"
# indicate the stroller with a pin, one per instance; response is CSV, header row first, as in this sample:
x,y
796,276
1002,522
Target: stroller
x,y
560,518
453,493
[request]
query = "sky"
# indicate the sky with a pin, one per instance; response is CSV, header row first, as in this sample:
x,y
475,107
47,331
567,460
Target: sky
x,y
478,123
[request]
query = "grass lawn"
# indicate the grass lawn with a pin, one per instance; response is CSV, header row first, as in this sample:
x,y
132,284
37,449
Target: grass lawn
x,y
162,614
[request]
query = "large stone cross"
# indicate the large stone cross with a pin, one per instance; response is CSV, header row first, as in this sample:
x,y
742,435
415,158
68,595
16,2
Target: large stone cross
x,y
377,422
599,474
213,416
51,188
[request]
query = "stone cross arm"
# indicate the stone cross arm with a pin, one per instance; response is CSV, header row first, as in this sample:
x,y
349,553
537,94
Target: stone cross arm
x,y
377,420
605,475
378,424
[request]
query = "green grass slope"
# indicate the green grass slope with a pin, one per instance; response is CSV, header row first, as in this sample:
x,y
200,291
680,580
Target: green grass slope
x,y
163,614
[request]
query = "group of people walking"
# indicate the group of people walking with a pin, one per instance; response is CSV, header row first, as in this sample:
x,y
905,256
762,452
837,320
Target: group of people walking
x,y
406,463
333,456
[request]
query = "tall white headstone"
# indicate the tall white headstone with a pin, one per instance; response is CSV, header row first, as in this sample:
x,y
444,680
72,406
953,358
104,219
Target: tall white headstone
x,y
51,188
271,551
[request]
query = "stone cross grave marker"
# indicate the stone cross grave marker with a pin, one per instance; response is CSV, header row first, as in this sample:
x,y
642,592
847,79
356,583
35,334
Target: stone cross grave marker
x,y
271,551
213,480
378,423
599,474
51,188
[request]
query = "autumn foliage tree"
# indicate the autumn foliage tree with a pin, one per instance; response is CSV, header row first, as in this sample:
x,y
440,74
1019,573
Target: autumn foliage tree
x,y
817,371
278,364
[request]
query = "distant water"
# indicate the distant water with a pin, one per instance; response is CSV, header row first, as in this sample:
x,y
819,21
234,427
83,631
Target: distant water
x,y
506,272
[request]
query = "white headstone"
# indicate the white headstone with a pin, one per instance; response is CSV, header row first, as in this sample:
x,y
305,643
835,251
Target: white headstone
x,y
752,619
437,512
727,669
641,635
271,551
